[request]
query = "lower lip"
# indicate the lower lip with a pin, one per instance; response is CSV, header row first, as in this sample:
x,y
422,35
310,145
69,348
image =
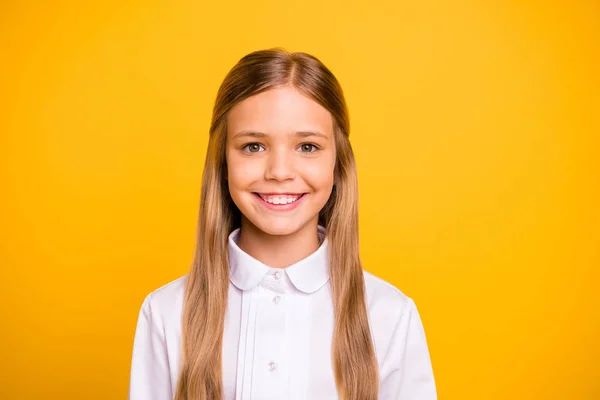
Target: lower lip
x,y
282,207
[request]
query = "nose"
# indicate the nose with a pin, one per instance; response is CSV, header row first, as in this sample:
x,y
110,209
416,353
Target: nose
x,y
280,166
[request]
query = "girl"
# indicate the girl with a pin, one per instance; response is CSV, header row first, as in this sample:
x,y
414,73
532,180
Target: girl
x,y
276,304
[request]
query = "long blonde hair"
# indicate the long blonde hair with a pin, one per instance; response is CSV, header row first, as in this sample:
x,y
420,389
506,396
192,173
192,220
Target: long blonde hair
x,y
354,362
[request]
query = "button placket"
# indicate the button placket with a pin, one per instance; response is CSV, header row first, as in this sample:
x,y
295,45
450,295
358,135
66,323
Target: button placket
x,y
270,351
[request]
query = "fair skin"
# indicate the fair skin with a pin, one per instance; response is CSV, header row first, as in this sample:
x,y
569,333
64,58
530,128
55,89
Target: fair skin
x,y
280,156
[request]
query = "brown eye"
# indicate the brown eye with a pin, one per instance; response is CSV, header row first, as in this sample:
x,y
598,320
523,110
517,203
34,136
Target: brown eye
x,y
253,147
308,148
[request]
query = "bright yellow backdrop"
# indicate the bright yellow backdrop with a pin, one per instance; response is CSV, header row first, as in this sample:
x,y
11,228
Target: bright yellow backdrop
x,y
475,126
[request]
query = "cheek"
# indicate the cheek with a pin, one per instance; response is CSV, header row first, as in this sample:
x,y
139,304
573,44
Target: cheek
x,y
319,176
241,173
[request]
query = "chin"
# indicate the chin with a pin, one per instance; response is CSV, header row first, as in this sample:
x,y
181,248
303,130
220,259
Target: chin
x,y
279,228
283,227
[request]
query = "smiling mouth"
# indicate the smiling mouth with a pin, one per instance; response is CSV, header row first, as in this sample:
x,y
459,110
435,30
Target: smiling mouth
x,y
280,199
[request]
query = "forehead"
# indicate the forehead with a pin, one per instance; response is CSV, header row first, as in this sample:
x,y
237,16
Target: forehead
x,y
279,110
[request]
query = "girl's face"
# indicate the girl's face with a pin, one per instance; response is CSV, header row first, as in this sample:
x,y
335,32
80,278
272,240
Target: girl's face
x,y
280,159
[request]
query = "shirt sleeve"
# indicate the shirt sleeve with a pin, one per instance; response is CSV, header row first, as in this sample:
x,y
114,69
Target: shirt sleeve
x,y
409,363
150,375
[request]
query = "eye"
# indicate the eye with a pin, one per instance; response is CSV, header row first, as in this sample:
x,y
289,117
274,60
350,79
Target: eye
x,y
308,148
253,148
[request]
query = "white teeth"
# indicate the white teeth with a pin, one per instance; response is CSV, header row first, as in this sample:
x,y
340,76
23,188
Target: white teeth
x,y
279,199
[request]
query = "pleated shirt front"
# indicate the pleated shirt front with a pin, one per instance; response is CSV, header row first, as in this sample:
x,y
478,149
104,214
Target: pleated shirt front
x,y
278,331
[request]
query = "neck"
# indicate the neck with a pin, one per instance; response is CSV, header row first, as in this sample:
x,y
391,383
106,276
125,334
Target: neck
x,y
278,251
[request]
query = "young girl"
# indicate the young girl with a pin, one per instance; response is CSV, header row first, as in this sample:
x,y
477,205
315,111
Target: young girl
x,y
276,304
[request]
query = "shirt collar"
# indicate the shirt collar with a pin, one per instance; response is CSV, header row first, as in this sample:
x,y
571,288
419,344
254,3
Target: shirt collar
x,y
307,275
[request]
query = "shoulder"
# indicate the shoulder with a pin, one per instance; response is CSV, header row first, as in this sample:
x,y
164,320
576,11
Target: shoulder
x,y
399,341
382,292
166,302
386,303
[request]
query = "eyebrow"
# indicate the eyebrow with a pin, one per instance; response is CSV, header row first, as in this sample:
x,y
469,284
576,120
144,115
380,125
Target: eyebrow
x,y
261,134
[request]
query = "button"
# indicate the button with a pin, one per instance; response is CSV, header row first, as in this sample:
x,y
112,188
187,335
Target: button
x,y
277,274
272,366
276,299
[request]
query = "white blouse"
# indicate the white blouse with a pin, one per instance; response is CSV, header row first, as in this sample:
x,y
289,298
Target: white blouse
x,y
277,338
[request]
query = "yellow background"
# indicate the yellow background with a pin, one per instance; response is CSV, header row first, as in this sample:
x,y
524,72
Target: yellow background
x,y
475,126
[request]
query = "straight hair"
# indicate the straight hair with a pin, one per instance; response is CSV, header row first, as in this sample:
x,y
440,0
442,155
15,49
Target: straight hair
x,y
206,292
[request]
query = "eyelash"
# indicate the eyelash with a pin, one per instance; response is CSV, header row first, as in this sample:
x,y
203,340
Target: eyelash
x,y
315,147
